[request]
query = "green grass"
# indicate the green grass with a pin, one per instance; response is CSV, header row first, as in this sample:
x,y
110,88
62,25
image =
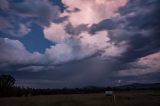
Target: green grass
x,y
99,99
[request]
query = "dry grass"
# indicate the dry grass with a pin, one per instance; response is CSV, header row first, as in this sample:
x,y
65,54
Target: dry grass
x,y
99,99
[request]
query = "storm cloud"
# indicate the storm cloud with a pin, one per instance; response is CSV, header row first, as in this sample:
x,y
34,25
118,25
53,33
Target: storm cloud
x,y
21,14
93,42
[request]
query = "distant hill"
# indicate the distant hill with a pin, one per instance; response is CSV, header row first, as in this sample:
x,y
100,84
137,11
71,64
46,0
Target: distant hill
x,y
140,86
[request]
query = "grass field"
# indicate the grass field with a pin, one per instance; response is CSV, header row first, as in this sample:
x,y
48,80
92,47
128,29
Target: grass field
x,y
98,99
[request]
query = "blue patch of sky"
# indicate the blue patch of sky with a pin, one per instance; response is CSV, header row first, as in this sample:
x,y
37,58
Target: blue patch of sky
x,y
35,41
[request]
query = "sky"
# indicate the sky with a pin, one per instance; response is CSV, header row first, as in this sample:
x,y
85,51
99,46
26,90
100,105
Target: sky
x,y
78,43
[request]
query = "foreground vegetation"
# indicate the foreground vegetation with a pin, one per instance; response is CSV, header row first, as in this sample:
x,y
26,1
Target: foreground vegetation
x,y
149,98
129,95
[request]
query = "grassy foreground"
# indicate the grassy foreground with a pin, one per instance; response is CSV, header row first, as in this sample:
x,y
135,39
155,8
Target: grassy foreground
x,y
99,99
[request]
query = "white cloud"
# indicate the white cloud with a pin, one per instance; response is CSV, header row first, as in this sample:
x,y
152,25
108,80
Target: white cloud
x,y
59,53
74,47
91,44
92,11
114,50
55,33
14,52
77,47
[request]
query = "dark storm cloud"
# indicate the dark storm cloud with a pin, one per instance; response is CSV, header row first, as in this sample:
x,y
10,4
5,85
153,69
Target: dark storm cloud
x,y
43,10
146,22
4,4
20,15
143,18
14,29
4,23
137,25
142,23
70,29
92,71
107,24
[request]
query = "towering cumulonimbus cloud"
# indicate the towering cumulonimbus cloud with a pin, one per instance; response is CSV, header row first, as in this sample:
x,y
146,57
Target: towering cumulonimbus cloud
x,y
114,41
92,11
73,46
77,43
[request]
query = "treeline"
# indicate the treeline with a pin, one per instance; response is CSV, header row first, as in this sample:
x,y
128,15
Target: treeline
x,y
19,91
7,89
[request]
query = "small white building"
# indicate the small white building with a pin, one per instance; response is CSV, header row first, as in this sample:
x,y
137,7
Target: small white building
x,y
108,93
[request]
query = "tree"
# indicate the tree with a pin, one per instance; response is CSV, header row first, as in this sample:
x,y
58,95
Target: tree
x,y
6,81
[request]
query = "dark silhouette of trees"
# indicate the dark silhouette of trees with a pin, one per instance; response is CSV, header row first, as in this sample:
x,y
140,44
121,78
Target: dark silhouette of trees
x,y
6,81
6,85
